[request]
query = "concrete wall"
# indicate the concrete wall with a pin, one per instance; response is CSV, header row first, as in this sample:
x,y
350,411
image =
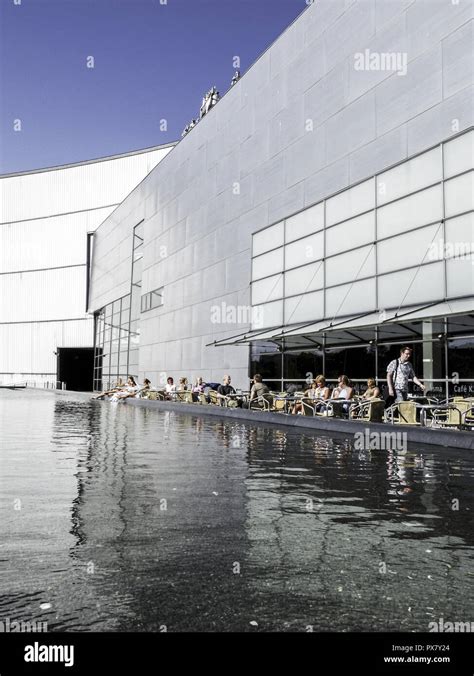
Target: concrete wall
x,y
45,216
300,125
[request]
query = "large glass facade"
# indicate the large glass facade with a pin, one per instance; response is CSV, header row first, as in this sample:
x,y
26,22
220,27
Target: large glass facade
x,y
135,300
393,241
401,241
117,328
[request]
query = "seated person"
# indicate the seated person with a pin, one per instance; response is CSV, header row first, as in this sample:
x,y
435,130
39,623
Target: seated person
x,y
118,387
317,393
170,388
130,390
145,388
372,391
337,389
343,391
198,388
258,389
182,385
225,389
297,407
322,390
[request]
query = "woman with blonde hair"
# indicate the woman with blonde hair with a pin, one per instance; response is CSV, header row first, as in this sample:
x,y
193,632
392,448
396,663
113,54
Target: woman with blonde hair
x,y
314,396
372,391
322,390
183,384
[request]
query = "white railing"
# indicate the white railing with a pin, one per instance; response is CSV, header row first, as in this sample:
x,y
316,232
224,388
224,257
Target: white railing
x,y
45,384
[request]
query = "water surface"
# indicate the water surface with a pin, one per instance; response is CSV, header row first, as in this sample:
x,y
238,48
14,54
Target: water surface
x,y
127,519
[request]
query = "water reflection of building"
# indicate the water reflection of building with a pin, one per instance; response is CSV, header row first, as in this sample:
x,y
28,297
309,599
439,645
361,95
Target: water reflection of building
x,y
356,539
201,524
160,513
89,597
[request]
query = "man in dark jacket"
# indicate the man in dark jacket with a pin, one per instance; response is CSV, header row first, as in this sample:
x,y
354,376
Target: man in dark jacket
x,y
225,389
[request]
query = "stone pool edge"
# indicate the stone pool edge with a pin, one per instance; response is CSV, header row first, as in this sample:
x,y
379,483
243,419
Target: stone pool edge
x,y
438,437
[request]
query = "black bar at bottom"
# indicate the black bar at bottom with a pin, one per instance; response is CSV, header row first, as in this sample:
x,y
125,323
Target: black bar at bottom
x,y
109,653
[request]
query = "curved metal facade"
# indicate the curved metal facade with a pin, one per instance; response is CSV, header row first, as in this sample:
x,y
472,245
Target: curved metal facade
x,y
44,221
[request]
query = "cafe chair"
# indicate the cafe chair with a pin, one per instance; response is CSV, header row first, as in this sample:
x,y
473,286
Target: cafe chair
x,y
402,413
263,402
451,415
371,410
184,397
214,397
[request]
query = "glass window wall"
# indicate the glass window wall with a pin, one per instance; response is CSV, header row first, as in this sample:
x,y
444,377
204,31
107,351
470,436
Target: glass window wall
x,y
117,328
398,228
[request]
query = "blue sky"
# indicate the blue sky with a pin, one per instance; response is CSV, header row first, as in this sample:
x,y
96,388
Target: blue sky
x,y
151,61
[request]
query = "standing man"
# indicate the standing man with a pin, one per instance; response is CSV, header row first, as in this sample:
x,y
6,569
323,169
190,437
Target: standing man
x,y
399,371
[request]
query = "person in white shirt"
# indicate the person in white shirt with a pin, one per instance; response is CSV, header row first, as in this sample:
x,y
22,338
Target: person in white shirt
x,y
131,390
170,388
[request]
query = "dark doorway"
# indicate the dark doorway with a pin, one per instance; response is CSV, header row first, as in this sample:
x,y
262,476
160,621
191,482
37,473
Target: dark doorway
x,y
76,368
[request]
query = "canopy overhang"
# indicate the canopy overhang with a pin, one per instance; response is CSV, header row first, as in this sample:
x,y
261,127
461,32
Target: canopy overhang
x,y
309,334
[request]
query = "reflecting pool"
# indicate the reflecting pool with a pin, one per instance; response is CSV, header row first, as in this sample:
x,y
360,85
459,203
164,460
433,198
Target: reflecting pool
x,y
121,518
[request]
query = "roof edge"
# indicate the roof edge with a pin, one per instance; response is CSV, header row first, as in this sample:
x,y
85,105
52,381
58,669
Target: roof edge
x,y
71,165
